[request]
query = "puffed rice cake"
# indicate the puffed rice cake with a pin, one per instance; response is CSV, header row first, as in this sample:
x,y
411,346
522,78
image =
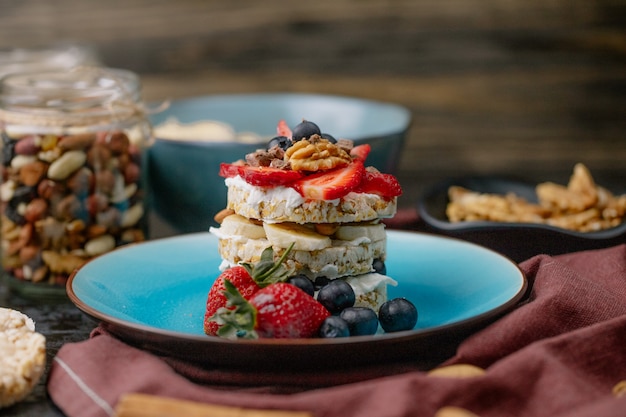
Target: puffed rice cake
x,y
339,260
269,206
22,356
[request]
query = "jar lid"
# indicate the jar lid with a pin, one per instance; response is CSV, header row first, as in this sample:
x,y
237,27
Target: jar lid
x,y
82,95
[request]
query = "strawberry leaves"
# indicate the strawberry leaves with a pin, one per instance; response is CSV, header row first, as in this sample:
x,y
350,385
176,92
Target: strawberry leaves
x,y
268,271
238,318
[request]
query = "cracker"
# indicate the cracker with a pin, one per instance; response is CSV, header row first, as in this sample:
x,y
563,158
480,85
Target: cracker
x,y
22,356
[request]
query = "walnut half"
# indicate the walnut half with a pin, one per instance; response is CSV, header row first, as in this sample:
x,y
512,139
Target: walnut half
x,y
316,155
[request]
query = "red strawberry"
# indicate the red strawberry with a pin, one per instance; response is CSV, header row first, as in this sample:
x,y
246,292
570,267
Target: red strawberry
x,y
329,185
268,176
229,170
280,311
283,129
237,276
260,176
384,185
361,152
248,279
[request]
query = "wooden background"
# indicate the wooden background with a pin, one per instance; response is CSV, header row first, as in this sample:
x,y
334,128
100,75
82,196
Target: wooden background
x,y
513,87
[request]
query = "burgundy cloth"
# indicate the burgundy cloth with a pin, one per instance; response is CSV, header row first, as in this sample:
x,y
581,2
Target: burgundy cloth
x,y
558,354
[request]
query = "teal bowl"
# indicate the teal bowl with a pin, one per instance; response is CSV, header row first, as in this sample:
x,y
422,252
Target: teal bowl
x,y
186,189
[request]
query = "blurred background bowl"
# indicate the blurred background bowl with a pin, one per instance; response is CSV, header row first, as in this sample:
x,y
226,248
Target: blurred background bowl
x,y
518,241
186,188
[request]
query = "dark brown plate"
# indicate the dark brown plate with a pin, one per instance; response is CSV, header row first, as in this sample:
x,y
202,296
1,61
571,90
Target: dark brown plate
x,y
153,296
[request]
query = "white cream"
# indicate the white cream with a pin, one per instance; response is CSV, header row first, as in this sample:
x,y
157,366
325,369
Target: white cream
x,y
221,235
366,283
260,195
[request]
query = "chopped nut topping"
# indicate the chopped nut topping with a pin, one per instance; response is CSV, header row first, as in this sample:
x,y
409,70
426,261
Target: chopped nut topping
x,y
265,157
316,154
345,144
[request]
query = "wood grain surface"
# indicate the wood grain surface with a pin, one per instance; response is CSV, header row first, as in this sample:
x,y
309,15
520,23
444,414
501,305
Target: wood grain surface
x,y
516,88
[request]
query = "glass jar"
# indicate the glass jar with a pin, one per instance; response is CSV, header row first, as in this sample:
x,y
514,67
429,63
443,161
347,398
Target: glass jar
x,y
72,184
52,58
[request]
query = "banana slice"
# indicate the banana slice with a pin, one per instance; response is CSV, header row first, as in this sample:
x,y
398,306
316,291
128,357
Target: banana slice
x,y
304,238
236,225
373,232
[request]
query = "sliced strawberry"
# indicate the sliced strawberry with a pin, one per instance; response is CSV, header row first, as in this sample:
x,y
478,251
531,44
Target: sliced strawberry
x,y
260,176
268,176
237,276
229,170
330,185
361,152
283,129
280,311
384,185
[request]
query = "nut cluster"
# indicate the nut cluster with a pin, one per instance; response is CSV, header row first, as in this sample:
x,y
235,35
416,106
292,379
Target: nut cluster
x,y
65,199
581,205
316,154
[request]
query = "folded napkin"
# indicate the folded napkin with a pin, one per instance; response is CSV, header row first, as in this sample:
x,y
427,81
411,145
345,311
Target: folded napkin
x,y
561,353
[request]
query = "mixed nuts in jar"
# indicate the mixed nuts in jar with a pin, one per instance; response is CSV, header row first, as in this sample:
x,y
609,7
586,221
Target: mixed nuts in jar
x,y
72,180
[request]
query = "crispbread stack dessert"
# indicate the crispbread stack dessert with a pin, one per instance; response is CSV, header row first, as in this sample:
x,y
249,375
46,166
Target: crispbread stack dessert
x,y
315,192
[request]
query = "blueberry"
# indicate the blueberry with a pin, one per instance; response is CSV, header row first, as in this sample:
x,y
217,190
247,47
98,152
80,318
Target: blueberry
x,y
282,141
334,326
320,282
336,296
301,281
305,130
329,137
379,266
362,321
397,315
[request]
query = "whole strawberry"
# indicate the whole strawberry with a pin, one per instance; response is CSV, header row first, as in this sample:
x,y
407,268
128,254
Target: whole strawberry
x,y
247,279
237,276
280,311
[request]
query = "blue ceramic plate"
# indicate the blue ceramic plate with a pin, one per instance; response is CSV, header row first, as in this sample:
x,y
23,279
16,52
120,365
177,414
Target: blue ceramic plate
x,y
153,295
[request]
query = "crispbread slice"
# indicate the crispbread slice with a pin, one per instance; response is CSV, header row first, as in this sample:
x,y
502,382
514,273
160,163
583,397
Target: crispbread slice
x,y
22,356
338,260
282,204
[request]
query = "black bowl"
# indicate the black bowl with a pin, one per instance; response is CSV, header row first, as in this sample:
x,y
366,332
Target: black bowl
x,y
518,241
